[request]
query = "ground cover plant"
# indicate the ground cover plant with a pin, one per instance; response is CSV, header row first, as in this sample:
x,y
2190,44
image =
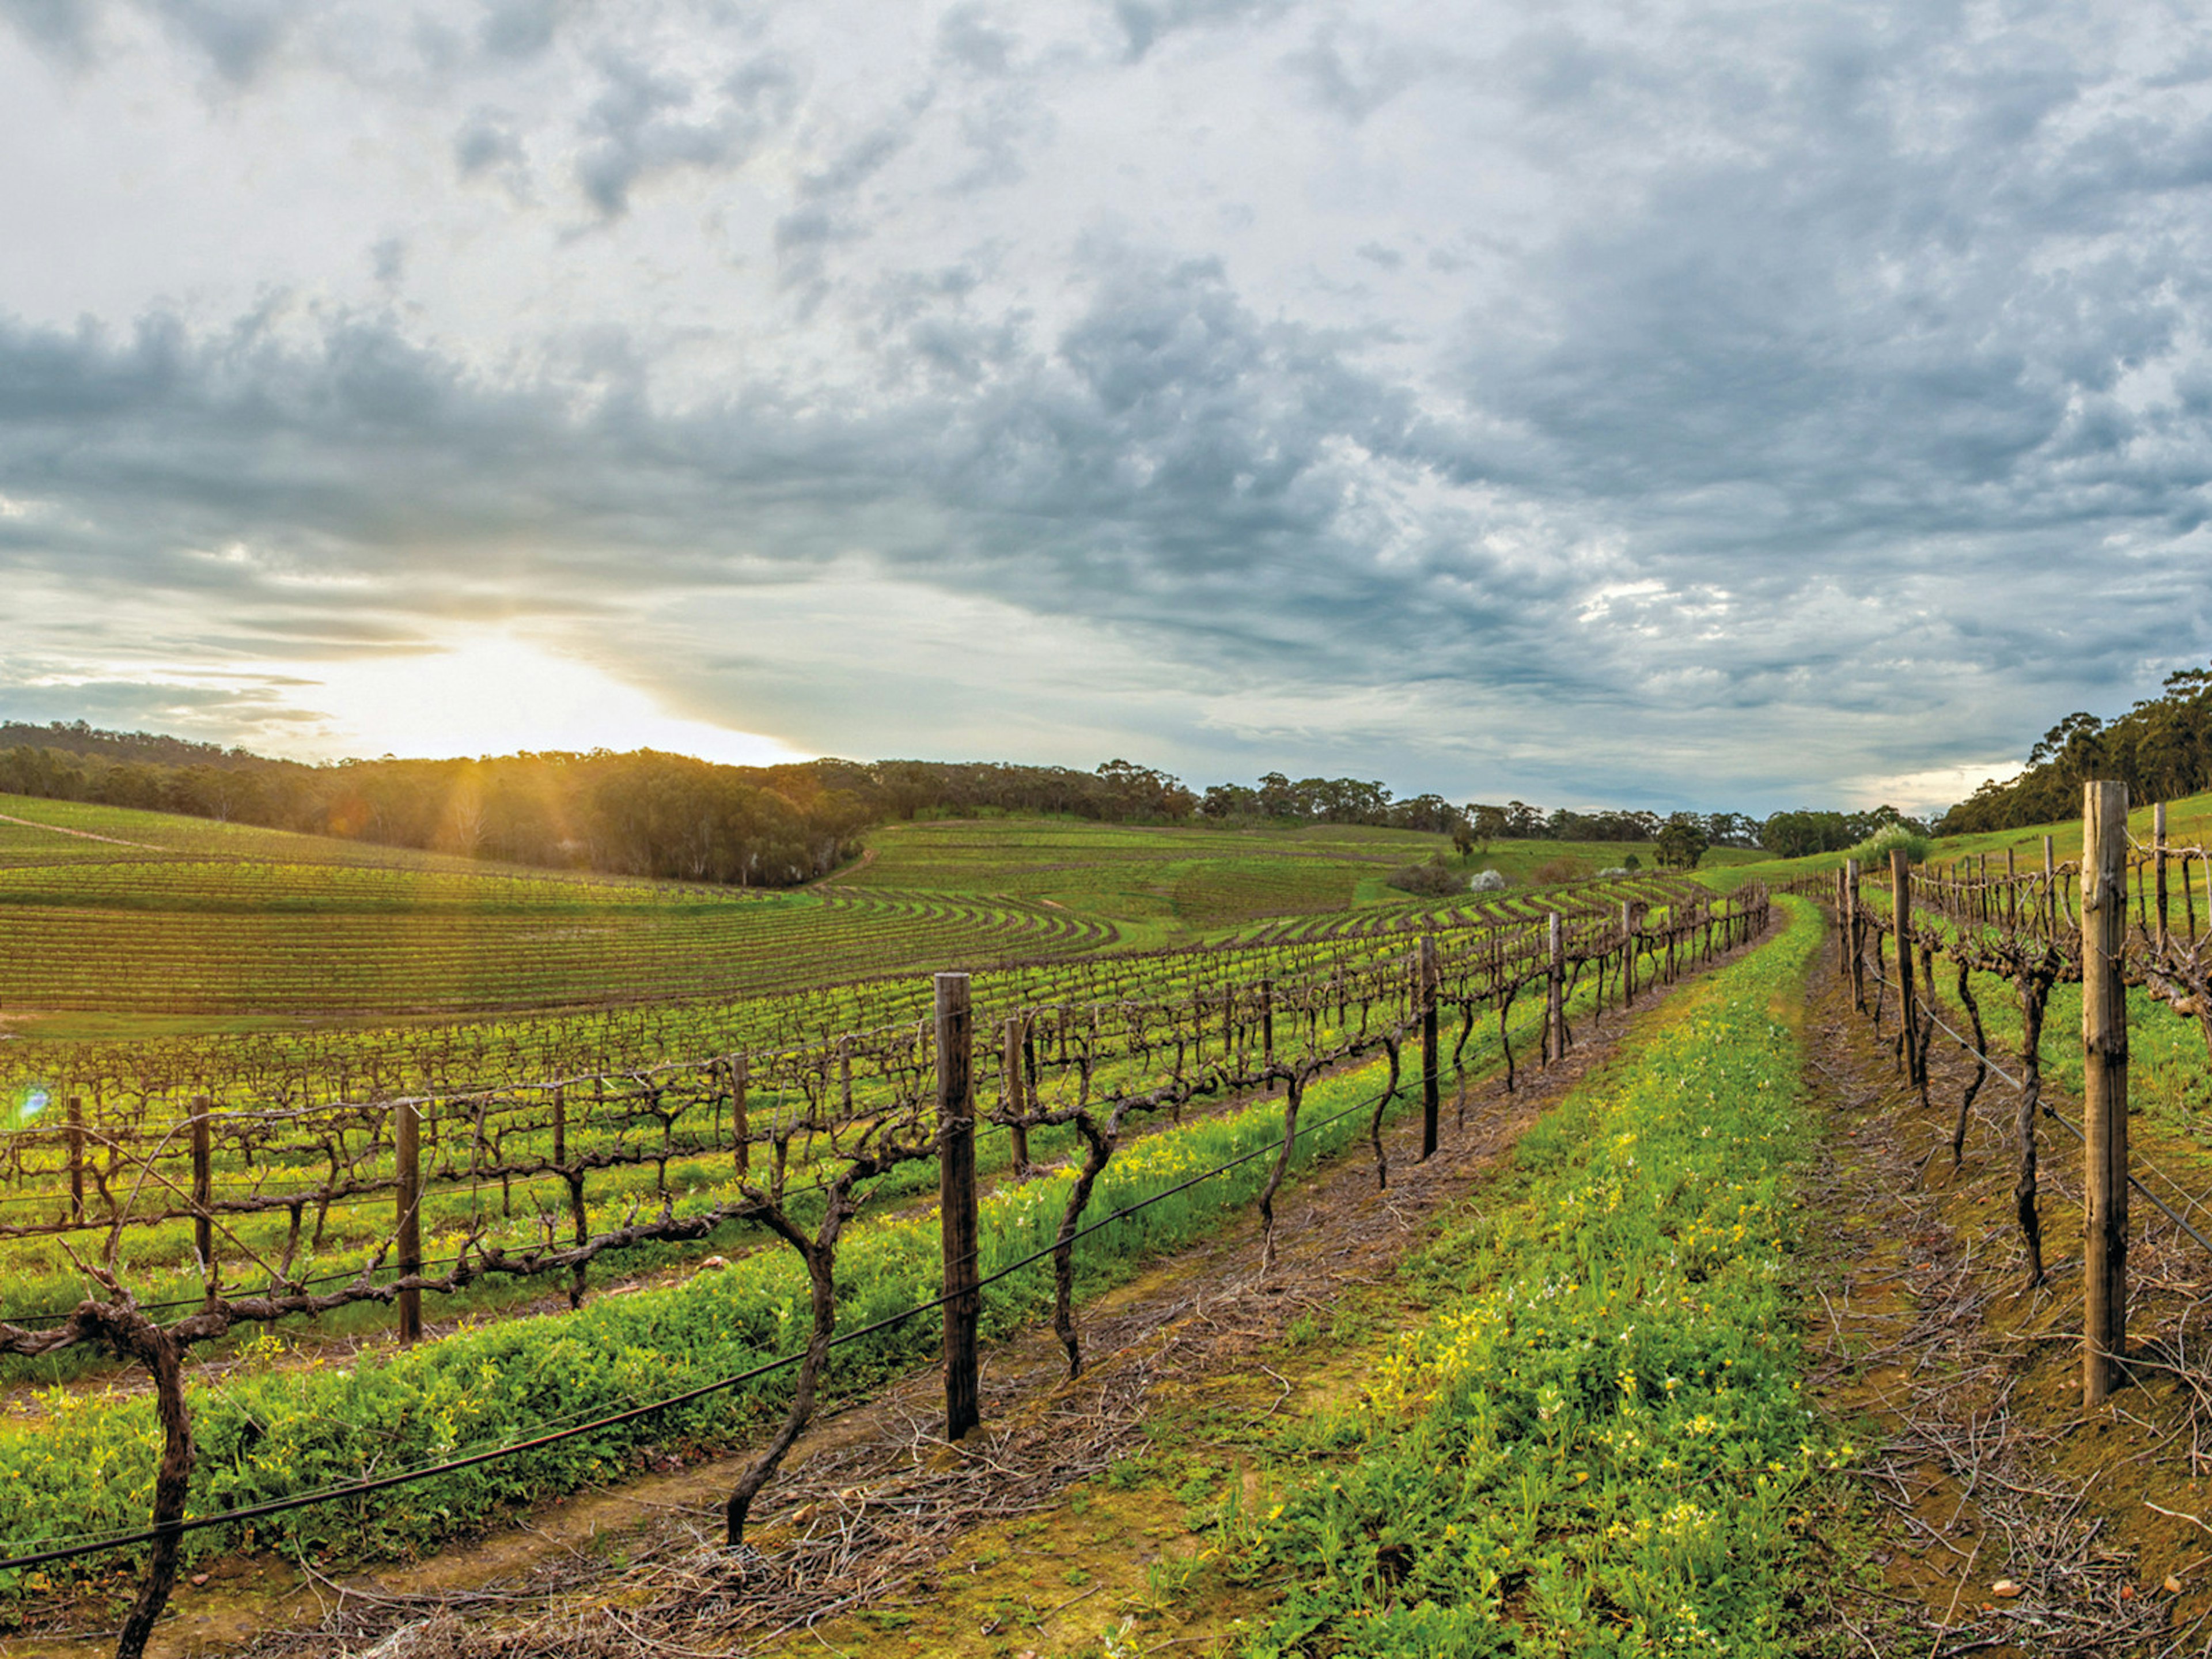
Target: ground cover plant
x,y
88,1463
1316,1015
1592,1443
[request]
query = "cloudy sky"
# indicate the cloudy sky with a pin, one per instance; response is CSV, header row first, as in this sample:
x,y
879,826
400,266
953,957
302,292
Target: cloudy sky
x,y
1721,405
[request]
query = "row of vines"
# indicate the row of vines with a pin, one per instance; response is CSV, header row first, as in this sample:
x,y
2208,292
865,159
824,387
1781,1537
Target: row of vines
x,y
236,1173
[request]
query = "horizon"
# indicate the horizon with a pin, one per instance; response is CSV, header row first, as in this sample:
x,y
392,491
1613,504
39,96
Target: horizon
x,y
1198,786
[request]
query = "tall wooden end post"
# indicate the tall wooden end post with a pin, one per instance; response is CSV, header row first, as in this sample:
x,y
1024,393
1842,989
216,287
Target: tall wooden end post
x,y
1900,909
1628,953
1267,1028
1555,986
1854,934
2105,1088
1017,1105
2157,861
2050,890
203,1194
1428,1080
74,1137
956,1118
407,1234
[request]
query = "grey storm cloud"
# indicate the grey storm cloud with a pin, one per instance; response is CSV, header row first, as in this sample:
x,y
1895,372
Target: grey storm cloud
x,y
1548,400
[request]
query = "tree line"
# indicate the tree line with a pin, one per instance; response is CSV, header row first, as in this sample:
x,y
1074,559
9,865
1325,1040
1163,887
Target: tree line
x,y
2161,749
669,816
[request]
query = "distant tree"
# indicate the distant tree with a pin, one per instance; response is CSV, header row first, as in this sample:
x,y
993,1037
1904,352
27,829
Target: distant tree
x,y
1491,824
1681,841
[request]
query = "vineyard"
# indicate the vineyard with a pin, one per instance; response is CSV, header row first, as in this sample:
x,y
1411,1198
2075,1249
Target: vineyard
x,y
283,1198
332,1294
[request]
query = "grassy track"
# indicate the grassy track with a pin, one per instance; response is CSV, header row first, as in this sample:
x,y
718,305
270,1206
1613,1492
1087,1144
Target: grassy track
x,y
1592,1445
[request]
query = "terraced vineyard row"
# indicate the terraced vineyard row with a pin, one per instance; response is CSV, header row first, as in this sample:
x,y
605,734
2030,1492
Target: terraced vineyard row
x,y
808,1129
291,1067
345,963
108,877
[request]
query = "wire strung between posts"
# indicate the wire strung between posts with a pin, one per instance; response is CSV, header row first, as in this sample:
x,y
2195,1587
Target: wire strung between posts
x,y
382,1483
1935,1018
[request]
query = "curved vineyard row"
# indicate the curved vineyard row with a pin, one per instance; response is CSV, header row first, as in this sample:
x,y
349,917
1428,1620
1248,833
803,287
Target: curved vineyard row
x,y
335,964
293,1066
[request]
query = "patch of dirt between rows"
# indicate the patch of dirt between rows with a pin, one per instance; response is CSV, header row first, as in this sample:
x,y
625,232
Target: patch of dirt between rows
x,y
872,1499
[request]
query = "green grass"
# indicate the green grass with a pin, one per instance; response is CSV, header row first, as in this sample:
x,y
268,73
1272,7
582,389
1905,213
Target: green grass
x,y
229,922
1163,885
1595,1443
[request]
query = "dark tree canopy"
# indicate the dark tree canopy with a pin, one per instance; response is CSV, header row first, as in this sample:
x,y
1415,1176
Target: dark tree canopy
x,y
2161,749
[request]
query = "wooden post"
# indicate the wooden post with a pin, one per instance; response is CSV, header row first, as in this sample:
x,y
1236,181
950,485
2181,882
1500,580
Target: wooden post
x,y
1267,1025
1854,934
2050,890
2158,860
1429,1081
1017,1103
1628,953
407,1150
2105,1088
74,1138
560,1125
1900,911
741,1123
1843,926
1555,1006
956,1118
203,1194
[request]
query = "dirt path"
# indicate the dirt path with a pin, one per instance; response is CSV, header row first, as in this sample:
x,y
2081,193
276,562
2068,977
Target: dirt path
x,y
876,1520
1997,1516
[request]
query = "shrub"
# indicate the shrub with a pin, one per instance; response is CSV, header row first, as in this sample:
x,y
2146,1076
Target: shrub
x,y
1631,862
1559,869
1873,852
1613,873
1430,880
1488,881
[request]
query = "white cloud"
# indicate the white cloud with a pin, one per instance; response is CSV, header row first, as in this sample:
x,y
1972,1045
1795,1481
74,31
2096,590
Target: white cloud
x,y
1700,404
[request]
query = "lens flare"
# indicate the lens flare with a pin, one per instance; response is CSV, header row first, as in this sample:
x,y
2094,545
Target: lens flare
x,y
33,1101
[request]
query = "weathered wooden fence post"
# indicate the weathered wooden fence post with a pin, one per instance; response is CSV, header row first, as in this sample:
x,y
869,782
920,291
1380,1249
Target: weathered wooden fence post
x,y
1267,1028
1017,1103
579,1223
1843,926
2105,1088
741,1123
1901,911
956,1208
407,1153
1628,953
1555,989
2158,859
1428,1080
2050,890
74,1138
203,1194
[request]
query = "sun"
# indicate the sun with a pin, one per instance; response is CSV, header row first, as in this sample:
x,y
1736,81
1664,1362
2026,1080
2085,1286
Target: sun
x,y
496,694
